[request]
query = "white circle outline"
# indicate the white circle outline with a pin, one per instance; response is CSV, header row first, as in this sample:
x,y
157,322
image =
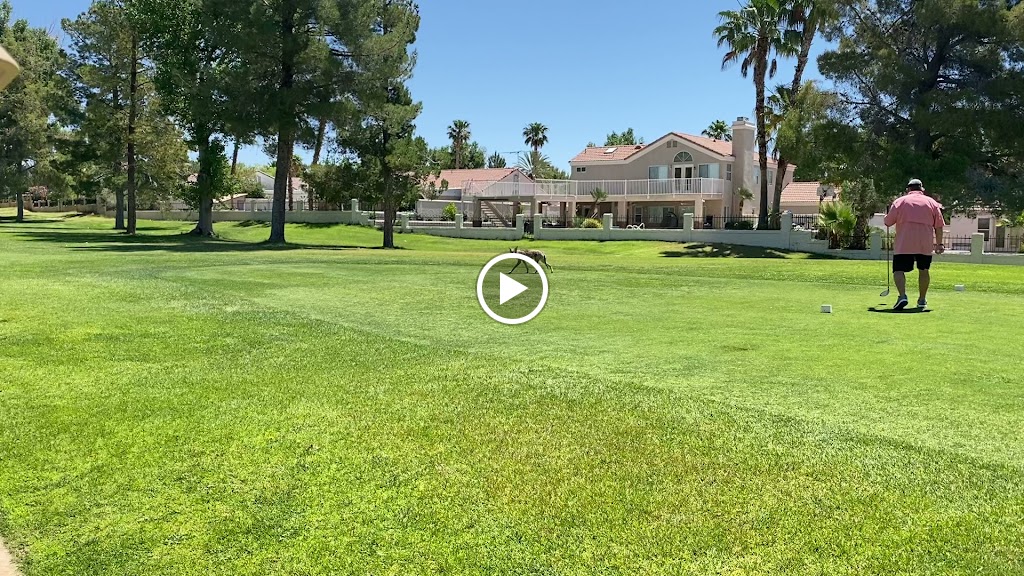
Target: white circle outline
x,y
480,289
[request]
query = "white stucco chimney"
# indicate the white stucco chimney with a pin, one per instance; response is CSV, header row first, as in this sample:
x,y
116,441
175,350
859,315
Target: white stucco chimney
x,y
743,131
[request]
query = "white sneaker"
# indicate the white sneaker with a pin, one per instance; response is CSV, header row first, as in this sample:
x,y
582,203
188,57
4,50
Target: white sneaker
x,y
922,303
901,303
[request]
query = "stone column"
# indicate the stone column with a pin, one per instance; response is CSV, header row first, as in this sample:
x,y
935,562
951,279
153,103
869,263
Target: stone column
x,y
477,215
977,246
786,229
876,244
404,219
458,221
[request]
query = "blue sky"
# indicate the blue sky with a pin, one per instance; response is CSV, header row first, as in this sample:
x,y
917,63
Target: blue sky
x,y
584,68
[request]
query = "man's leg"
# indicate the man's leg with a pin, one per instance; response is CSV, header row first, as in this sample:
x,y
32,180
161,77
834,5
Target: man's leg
x,y
900,278
901,264
924,265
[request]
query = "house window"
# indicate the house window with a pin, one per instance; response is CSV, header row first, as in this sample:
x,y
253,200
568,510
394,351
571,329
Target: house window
x,y
658,172
771,176
985,226
581,168
683,157
672,144
708,171
728,172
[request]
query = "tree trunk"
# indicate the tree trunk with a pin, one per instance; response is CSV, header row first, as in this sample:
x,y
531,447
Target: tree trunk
x,y
205,192
291,193
321,131
286,121
807,39
21,208
133,105
760,71
119,209
389,222
860,233
234,157
285,146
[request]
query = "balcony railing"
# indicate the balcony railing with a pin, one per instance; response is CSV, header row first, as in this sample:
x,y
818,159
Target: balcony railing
x,y
635,190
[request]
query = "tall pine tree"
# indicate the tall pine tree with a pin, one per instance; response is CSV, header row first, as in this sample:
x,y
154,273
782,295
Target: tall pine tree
x,y
392,160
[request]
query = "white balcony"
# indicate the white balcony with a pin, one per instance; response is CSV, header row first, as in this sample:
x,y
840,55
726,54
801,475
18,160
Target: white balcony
x,y
617,190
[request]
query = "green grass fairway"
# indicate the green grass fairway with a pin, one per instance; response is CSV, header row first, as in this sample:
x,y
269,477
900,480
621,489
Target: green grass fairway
x,y
180,407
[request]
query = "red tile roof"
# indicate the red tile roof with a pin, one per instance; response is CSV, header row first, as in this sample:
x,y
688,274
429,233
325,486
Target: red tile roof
x,y
801,193
720,147
457,178
600,154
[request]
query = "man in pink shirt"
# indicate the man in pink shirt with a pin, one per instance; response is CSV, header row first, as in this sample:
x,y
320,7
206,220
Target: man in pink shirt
x,y
918,221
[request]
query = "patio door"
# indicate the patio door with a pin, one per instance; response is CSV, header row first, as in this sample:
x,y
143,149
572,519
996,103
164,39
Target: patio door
x,y
684,177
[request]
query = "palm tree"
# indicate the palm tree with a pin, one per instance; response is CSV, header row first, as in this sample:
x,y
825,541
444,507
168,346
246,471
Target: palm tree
x,y
745,196
459,134
535,164
535,135
839,219
754,35
807,17
496,161
719,130
599,196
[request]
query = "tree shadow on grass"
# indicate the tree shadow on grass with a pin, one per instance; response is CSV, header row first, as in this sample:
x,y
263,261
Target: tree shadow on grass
x,y
92,241
317,225
29,220
698,250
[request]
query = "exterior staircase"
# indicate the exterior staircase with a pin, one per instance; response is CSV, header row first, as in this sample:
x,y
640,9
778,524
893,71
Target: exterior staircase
x,y
489,212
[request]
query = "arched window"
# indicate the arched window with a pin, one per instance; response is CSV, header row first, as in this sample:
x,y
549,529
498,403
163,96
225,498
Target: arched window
x,y
683,157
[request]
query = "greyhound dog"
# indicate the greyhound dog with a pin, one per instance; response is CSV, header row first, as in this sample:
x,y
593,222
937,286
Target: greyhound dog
x,y
535,255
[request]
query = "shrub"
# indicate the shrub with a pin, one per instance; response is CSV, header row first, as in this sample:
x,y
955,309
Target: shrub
x,y
739,225
592,223
839,220
449,212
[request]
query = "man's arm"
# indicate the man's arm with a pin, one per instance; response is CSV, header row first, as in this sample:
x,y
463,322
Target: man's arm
x,y
939,224
890,216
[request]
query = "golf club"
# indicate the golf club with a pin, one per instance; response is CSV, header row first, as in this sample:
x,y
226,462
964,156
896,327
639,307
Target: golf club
x,y
888,268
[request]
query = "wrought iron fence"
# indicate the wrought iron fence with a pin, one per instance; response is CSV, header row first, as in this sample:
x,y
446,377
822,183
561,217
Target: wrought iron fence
x,y
709,222
849,241
957,243
1005,245
806,221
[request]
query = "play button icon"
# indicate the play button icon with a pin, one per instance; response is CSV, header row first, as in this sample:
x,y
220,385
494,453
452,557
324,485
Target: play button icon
x,y
508,288
512,300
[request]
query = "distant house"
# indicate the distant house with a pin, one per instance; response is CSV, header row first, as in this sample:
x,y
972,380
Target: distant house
x,y
453,182
452,186
300,194
805,198
651,184
675,174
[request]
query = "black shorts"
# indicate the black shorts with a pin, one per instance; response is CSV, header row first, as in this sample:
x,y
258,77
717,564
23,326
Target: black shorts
x,y
905,262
